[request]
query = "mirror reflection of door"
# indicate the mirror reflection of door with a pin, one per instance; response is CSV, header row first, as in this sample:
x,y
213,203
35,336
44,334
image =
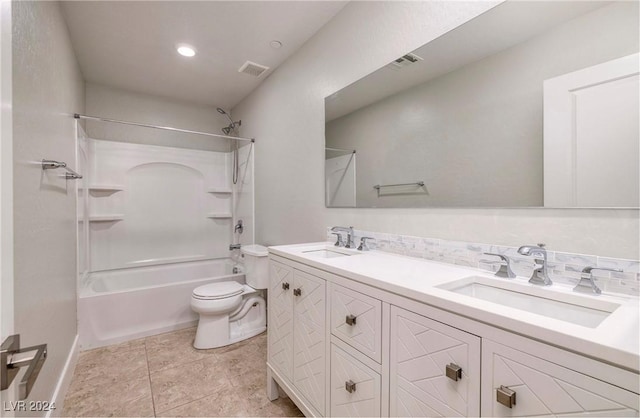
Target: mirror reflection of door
x,y
591,136
340,178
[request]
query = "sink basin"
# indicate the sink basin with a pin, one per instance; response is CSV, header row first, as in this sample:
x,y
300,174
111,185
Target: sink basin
x,y
325,254
584,311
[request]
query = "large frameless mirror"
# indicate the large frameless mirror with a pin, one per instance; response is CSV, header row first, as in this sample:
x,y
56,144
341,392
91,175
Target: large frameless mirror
x,y
531,104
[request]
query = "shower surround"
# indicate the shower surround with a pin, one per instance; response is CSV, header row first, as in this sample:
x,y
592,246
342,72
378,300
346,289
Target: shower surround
x,y
154,222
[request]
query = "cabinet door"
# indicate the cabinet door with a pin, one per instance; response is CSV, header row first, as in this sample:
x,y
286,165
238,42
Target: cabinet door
x,y
280,335
543,388
309,338
355,388
421,349
364,331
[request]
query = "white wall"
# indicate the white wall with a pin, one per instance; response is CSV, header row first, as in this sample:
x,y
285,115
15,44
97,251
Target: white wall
x,y
466,133
112,103
286,115
47,90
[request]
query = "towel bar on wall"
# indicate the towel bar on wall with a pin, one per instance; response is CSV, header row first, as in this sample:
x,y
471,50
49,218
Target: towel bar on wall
x,y
52,165
379,186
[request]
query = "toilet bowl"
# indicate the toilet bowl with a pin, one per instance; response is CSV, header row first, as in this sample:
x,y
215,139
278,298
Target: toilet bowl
x,y
230,311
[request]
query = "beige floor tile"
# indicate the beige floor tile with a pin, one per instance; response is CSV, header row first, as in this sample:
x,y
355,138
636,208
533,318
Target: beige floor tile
x,y
108,365
258,405
119,398
224,403
188,382
226,381
172,349
242,360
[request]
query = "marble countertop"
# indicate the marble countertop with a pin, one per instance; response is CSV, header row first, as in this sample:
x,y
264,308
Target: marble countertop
x,y
615,340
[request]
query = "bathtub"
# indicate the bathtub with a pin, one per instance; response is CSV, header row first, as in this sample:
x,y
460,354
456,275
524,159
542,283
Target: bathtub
x,y
122,305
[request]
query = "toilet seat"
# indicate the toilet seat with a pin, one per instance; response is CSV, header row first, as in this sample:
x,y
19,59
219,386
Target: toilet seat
x,y
221,290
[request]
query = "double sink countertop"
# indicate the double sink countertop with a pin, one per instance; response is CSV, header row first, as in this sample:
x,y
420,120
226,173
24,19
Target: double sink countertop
x,y
605,326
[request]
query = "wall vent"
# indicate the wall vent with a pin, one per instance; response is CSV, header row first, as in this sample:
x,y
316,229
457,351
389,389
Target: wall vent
x,y
404,61
253,69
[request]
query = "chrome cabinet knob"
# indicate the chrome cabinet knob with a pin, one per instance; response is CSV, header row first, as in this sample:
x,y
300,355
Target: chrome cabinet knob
x,y
350,386
506,396
285,286
350,320
453,371
297,292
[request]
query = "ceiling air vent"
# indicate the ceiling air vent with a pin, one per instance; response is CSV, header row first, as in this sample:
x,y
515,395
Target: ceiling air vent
x,y
253,69
404,61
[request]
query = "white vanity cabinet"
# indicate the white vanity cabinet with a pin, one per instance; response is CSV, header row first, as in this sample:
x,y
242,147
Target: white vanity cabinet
x,y
434,368
355,387
357,320
543,388
296,337
341,347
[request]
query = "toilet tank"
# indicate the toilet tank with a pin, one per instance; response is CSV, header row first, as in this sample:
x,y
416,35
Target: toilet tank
x,y
256,265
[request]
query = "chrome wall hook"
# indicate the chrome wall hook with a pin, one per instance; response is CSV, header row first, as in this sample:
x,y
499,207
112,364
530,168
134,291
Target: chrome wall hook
x,y
52,165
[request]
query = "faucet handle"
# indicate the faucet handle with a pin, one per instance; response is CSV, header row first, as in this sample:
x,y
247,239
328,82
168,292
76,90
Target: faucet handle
x,y
505,266
363,244
339,242
587,283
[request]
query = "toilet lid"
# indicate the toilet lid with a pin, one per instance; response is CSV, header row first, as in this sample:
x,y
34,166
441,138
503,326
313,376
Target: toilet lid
x,y
218,290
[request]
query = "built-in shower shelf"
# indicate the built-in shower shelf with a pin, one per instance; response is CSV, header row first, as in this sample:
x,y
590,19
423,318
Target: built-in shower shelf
x,y
220,191
106,187
105,218
220,215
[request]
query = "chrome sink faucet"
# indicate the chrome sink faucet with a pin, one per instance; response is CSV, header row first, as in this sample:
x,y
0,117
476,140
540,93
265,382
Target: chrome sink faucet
x,y
540,274
349,230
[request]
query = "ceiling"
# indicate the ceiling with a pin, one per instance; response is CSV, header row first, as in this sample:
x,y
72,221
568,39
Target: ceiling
x,y
132,44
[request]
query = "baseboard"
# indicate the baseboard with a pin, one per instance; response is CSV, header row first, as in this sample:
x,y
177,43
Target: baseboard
x,y
65,380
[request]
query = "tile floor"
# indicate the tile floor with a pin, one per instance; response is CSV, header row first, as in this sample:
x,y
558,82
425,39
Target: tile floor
x,y
164,375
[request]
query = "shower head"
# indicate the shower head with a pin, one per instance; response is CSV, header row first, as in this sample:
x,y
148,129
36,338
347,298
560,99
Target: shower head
x,y
222,112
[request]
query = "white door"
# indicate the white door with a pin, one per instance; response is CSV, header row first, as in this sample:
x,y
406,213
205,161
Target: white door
x,y
9,396
340,181
591,136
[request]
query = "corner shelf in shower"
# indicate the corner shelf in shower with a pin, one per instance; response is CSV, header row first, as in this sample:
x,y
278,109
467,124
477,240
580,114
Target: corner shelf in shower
x,y
220,215
106,188
217,190
104,218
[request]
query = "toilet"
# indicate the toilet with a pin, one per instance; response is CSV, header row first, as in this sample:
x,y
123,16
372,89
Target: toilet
x,y
230,311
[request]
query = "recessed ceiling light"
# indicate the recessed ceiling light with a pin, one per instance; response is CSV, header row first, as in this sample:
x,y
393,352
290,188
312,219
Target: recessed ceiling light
x,y
275,44
186,51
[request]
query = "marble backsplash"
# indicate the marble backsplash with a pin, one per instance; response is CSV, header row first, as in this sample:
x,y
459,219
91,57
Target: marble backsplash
x,y
563,267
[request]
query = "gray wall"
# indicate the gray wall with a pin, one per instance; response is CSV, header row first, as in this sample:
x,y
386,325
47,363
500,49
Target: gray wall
x,y
112,103
474,135
47,90
286,115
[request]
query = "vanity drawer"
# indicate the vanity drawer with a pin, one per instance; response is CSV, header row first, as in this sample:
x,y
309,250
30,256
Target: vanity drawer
x,y
355,388
424,357
357,320
542,388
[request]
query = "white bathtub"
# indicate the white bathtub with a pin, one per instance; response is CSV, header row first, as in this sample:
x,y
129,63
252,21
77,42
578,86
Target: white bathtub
x,y
121,305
